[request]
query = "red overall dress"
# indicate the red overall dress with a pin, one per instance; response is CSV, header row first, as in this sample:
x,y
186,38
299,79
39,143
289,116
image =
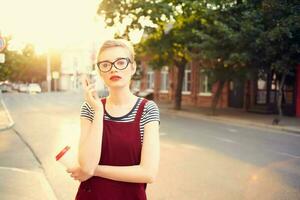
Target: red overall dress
x,y
121,146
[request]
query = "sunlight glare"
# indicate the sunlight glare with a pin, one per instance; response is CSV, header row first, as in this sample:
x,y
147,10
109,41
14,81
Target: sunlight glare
x,y
51,23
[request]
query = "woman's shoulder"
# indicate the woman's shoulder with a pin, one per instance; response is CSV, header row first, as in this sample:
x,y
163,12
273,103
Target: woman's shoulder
x,y
85,105
149,105
150,112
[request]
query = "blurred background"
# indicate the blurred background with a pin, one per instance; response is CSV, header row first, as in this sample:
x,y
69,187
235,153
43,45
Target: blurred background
x,y
224,73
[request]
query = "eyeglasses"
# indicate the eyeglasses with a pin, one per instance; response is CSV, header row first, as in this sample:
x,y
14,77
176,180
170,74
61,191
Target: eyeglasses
x,y
120,64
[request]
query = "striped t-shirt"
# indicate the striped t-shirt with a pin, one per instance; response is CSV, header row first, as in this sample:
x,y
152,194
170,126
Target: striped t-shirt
x,y
150,113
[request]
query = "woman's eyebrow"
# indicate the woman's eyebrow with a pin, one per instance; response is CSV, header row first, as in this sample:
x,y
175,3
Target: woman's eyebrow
x,y
111,61
103,61
119,58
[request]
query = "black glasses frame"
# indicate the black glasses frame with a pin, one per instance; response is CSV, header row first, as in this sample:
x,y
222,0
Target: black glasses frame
x,y
113,64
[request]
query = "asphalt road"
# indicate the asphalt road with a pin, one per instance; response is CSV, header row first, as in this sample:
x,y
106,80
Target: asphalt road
x,y
199,159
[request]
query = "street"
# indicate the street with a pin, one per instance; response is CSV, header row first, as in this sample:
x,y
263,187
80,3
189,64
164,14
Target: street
x,y
200,159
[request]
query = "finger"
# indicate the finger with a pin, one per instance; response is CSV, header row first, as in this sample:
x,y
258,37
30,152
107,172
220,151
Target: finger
x,y
93,95
92,91
74,176
91,86
88,88
88,81
84,81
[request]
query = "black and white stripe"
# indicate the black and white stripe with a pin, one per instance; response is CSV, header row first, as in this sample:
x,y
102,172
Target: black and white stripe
x,y
150,113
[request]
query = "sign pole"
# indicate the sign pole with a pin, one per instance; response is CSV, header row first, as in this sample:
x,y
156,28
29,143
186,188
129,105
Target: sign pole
x,y
48,72
2,47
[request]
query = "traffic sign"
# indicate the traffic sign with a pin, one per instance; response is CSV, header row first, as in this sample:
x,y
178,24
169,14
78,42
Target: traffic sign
x,y
2,44
2,58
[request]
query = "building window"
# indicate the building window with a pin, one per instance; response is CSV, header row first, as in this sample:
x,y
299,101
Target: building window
x,y
205,87
186,86
274,88
150,80
164,82
261,95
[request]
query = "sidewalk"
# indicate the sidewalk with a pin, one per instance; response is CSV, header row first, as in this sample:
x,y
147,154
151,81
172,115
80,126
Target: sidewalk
x,y
21,174
6,121
235,117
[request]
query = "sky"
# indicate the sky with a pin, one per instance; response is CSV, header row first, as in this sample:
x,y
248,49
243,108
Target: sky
x,y
54,23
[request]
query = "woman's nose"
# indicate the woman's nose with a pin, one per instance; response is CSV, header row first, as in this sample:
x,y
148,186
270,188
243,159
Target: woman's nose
x,y
113,70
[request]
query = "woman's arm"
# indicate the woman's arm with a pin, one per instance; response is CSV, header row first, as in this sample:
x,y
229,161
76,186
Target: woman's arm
x,y
90,142
146,171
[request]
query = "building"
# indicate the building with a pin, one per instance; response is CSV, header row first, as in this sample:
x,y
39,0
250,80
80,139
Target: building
x,y
258,95
197,89
76,61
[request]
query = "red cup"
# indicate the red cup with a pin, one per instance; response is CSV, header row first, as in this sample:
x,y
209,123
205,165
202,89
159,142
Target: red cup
x,y
67,157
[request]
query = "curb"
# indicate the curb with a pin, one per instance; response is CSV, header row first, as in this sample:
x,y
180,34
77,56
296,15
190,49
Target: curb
x,y
7,127
12,123
42,175
227,121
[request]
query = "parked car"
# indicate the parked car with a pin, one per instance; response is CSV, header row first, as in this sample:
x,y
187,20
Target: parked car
x,y
6,87
23,88
34,88
15,86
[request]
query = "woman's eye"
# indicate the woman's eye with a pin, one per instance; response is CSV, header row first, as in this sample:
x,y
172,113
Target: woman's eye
x,y
120,62
105,65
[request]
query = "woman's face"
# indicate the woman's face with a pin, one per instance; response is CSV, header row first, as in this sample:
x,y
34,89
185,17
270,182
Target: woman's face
x,y
116,78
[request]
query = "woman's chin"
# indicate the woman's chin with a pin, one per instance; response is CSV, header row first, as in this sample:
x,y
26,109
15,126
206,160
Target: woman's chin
x,y
117,85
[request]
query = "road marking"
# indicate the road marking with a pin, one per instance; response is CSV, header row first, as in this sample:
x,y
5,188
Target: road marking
x,y
225,140
46,186
167,145
7,113
189,146
287,154
232,130
163,133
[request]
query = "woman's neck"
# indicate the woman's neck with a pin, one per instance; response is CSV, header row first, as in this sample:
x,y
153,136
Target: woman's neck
x,y
120,97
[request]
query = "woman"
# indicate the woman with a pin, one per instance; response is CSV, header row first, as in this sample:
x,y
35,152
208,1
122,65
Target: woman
x,y
122,128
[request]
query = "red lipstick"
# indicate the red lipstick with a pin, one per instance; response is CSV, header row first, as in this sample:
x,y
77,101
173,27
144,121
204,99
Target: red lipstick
x,y
115,78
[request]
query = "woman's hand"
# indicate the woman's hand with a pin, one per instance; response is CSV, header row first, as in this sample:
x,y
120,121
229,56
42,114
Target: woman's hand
x,y
78,174
90,95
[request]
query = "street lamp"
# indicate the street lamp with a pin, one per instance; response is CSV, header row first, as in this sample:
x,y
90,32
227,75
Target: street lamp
x,y
48,71
55,75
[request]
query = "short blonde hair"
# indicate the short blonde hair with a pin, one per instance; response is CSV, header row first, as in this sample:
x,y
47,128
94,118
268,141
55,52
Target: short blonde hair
x,y
118,43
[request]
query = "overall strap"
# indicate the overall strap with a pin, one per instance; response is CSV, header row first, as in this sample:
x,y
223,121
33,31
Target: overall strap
x,y
140,110
103,101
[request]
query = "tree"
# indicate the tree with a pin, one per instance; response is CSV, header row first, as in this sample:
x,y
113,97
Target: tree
x,y
221,38
235,39
166,40
13,61
280,40
22,65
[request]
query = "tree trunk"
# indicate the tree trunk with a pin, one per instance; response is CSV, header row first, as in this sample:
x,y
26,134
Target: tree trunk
x,y
217,96
279,98
180,75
